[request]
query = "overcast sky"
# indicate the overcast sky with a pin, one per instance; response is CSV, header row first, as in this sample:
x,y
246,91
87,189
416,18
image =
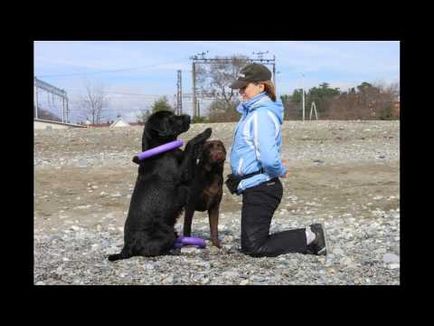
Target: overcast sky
x,y
135,73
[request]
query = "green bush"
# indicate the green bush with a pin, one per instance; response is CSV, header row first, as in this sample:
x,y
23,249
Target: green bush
x,y
386,113
199,120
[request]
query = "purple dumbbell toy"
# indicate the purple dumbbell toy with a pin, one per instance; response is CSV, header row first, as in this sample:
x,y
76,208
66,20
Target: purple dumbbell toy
x,y
158,150
193,241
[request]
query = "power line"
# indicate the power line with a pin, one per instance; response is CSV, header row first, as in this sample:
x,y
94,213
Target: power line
x,y
108,92
108,71
135,94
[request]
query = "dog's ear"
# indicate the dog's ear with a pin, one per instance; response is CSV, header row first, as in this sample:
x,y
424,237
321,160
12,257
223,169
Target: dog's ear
x,y
145,143
203,157
222,146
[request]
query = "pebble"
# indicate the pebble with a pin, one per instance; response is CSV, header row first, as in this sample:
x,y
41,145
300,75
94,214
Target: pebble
x,y
338,251
390,258
393,266
189,250
221,266
346,261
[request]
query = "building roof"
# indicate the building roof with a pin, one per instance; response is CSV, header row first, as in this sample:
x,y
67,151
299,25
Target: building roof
x,y
119,123
58,122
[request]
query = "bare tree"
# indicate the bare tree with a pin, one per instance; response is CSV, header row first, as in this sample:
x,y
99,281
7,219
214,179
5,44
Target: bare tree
x,y
214,79
367,103
93,101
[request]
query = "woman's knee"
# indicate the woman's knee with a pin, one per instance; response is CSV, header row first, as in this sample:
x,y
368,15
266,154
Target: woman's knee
x,y
251,248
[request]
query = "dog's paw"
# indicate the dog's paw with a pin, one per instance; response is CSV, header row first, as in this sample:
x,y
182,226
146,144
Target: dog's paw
x,y
217,243
136,159
203,136
207,133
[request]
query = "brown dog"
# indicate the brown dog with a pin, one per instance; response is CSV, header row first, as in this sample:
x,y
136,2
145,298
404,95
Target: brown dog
x,y
207,188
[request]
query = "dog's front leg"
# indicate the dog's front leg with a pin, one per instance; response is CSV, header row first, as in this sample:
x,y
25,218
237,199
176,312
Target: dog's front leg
x,y
213,214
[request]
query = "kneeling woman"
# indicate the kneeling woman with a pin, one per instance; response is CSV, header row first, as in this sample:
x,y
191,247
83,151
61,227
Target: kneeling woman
x,y
256,168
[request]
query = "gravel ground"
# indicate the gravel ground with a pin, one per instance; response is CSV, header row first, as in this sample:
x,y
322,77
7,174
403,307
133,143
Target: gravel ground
x,y
344,174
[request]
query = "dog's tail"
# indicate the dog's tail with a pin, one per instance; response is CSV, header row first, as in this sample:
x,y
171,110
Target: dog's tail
x,y
115,257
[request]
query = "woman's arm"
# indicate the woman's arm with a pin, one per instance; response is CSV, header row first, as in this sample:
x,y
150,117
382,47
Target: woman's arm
x,y
265,129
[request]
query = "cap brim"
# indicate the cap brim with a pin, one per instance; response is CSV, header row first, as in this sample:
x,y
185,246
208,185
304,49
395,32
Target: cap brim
x,y
238,84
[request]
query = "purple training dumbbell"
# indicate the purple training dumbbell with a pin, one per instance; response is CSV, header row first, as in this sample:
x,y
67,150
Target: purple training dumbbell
x,y
160,149
193,241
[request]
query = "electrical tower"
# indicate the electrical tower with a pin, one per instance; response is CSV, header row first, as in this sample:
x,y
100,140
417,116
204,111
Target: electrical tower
x,y
179,94
313,107
54,91
201,59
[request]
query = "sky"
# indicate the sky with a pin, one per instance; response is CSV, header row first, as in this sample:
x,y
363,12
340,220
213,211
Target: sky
x,y
136,73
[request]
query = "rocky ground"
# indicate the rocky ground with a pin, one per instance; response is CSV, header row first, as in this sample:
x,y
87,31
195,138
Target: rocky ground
x,y
344,174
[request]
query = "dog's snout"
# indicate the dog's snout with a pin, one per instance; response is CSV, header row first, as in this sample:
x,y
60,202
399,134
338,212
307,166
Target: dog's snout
x,y
184,121
186,118
218,156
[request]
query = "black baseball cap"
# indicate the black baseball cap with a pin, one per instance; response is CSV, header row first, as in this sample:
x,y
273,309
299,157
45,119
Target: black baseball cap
x,y
253,72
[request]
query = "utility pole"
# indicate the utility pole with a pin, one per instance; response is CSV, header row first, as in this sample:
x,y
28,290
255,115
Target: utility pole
x,y
67,111
302,90
35,93
195,60
179,94
304,106
274,73
63,110
194,88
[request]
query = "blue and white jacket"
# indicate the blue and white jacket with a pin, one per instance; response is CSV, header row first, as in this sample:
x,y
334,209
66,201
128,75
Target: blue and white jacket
x,y
257,141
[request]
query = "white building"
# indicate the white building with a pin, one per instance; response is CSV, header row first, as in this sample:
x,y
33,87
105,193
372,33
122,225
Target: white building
x,y
50,124
119,123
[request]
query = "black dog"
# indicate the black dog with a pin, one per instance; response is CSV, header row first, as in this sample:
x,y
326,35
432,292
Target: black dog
x,y
207,188
162,187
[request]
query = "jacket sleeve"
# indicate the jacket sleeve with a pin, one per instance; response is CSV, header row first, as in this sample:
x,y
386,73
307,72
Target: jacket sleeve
x,y
265,129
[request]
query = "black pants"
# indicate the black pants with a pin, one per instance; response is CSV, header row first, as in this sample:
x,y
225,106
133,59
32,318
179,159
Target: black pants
x,y
259,204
